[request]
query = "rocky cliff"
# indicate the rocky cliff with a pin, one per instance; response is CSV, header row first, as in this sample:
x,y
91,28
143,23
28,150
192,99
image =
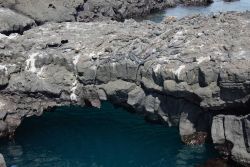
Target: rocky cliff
x,y
193,72
42,11
25,14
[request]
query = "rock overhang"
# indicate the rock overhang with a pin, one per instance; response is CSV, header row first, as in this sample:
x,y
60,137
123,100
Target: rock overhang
x,y
178,70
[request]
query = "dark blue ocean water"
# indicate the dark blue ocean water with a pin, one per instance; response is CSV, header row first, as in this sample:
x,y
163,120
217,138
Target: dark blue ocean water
x,y
217,6
109,137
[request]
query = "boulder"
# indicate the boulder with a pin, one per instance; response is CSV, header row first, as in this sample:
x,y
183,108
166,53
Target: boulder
x,y
11,21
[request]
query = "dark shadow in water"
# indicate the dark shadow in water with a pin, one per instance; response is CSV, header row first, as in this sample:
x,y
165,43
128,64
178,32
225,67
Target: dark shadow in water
x,y
109,137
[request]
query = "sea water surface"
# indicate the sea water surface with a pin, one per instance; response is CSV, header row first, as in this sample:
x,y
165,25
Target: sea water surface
x,y
215,7
106,137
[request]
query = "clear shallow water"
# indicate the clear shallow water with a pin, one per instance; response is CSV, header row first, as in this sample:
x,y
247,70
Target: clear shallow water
x,y
110,137
217,6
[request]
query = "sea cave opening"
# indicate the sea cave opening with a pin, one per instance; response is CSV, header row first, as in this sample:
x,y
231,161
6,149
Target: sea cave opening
x,y
108,137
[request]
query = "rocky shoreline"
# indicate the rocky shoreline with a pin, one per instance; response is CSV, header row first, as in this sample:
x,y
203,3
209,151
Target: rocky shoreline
x,y
44,11
193,72
23,15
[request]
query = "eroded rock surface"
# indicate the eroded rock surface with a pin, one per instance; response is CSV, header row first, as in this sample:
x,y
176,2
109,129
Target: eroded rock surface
x,y
179,72
232,134
2,161
84,10
13,22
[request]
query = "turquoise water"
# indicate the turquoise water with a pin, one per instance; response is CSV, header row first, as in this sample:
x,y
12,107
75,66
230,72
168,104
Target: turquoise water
x,y
217,6
109,137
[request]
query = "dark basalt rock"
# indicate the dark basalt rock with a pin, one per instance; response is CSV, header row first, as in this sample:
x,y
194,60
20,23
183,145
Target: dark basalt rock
x,y
232,136
196,2
219,163
183,72
17,17
230,0
11,22
196,138
84,10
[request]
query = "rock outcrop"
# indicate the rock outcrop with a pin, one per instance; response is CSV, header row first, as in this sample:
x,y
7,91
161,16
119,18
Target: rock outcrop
x,y
179,72
13,22
2,161
196,2
232,135
84,10
25,12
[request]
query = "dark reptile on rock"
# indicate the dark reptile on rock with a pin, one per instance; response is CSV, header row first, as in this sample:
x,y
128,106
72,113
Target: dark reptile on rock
x,y
192,72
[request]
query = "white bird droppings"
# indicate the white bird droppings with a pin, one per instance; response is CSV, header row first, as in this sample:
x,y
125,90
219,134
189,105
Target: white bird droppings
x,y
178,71
73,96
202,59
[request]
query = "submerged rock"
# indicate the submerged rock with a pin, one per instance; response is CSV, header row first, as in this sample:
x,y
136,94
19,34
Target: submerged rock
x,y
218,163
196,138
2,161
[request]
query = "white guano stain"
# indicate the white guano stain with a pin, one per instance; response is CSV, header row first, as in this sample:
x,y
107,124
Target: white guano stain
x,y
179,33
76,59
2,36
3,67
40,73
31,67
2,104
157,68
30,62
113,65
93,68
202,59
242,52
178,36
179,70
163,60
73,95
13,36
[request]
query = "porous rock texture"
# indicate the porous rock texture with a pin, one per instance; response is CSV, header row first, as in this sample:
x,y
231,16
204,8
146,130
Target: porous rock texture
x,y
180,72
41,11
11,21
84,10
232,134
196,2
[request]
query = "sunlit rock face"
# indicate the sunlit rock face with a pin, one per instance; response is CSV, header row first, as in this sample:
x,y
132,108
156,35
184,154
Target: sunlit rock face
x,y
2,161
11,21
177,72
84,10
196,2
